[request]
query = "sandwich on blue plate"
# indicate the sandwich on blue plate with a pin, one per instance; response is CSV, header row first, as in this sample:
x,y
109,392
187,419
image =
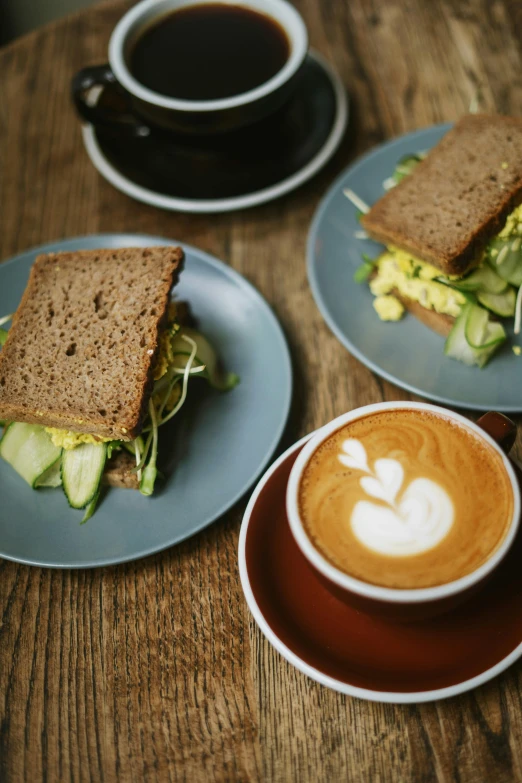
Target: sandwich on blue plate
x,y
452,227
98,358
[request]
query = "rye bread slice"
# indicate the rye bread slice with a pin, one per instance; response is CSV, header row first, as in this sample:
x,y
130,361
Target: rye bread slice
x,y
84,339
455,200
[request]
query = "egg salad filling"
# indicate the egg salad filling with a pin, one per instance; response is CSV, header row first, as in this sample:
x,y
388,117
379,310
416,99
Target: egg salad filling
x,y
396,270
66,439
165,361
513,225
388,308
476,300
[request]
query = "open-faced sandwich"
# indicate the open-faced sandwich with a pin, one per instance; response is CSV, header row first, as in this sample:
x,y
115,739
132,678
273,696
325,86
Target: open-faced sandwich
x,y
97,359
452,226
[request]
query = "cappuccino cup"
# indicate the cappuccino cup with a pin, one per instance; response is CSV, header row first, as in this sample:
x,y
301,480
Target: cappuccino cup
x,y
405,509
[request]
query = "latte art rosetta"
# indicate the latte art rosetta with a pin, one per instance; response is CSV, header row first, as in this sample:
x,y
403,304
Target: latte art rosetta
x,y
418,521
405,498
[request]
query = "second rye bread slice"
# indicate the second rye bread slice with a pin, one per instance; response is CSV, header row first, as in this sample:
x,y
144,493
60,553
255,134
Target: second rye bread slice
x,y
447,210
81,348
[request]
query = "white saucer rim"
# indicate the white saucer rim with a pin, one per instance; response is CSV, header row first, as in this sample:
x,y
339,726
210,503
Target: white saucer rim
x,y
209,206
387,697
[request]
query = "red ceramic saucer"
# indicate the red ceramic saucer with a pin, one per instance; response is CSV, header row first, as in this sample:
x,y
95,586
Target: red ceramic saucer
x,y
360,654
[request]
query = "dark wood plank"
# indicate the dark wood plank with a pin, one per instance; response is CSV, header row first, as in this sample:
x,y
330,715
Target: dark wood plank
x,y
155,670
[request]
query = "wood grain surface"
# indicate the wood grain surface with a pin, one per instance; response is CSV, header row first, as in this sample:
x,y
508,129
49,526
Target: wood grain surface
x,y
155,671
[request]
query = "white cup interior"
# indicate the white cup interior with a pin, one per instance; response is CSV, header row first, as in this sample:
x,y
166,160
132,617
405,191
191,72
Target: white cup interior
x,y
365,589
146,12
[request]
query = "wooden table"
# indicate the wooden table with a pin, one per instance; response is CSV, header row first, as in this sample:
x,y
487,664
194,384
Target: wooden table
x,y
155,670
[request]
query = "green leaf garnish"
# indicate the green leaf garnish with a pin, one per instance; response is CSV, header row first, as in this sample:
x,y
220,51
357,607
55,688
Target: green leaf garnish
x,y
363,272
405,166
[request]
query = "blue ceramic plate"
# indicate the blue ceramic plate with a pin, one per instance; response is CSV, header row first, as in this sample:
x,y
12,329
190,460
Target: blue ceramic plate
x,y
406,353
212,452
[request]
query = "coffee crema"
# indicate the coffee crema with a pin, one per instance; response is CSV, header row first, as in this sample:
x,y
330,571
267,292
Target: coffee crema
x,y
406,499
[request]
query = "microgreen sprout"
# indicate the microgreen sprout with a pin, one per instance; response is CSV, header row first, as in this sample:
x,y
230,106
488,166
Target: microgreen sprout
x,y
166,397
150,472
144,452
518,311
138,457
356,201
186,375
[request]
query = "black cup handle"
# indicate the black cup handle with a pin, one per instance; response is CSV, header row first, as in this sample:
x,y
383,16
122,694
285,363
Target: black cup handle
x,y
122,121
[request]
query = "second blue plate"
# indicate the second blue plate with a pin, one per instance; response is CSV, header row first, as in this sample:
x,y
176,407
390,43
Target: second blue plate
x,y
406,353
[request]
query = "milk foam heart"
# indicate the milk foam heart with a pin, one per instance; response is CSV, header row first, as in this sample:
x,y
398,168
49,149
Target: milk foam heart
x,y
416,522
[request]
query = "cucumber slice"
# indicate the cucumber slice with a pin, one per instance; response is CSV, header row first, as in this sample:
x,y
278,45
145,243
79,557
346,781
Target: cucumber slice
x,y
205,355
29,450
470,296
465,285
51,477
505,257
480,332
500,304
457,345
82,471
91,508
495,335
475,326
482,279
490,280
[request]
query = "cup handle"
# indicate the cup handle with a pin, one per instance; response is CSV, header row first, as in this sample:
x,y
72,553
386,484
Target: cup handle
x,y
500,428
102,76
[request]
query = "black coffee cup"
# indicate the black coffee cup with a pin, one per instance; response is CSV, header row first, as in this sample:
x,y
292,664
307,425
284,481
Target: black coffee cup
x,y
137,111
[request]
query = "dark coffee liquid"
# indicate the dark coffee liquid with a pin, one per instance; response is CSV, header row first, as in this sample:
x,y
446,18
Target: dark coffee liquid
x,y
207,52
